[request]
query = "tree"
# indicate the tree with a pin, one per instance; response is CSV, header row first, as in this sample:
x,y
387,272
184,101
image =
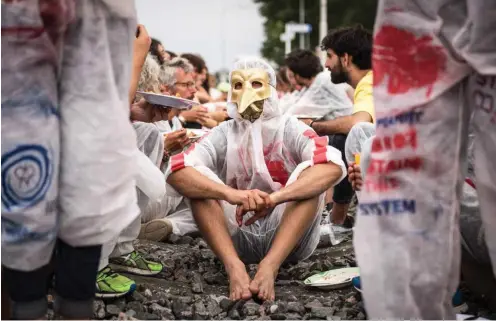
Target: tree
x,y
339,13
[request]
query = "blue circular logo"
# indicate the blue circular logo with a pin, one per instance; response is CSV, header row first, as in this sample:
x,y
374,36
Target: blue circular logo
x,y
26,176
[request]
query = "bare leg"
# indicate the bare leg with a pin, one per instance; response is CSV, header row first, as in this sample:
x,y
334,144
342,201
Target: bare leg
x,y
329,194
297,218
339,211
211,222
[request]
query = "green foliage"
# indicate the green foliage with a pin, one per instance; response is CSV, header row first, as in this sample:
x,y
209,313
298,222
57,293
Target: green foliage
x,y
339,13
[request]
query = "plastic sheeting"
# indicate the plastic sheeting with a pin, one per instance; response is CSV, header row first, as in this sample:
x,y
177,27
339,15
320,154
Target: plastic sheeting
x,y
267,154
165,126
434,68
322,98
66,138
150,180
153,202
356,138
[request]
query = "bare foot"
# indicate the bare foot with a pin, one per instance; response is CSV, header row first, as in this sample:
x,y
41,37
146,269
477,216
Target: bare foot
x,y
263,283
239,282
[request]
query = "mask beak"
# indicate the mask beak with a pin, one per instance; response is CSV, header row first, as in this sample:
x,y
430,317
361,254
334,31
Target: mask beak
x,y
248,97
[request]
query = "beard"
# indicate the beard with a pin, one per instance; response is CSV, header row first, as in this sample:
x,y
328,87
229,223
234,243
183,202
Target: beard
x,y
338,75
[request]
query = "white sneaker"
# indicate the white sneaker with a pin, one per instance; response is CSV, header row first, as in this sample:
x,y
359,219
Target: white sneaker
x,y
156,230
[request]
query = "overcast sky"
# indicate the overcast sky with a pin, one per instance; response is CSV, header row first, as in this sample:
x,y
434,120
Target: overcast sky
x,y
219,30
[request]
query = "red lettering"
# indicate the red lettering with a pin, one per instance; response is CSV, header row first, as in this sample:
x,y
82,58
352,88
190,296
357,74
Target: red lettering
x,y
379,166
412,133
387,143
375,166
392,166
399,141
376,145
415,163
396,142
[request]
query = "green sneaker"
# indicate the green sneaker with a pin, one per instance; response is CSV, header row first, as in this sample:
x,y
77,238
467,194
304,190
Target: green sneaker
x,y
135,263
112,285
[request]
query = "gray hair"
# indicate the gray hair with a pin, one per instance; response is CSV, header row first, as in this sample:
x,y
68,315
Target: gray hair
x,y
167,74
149,77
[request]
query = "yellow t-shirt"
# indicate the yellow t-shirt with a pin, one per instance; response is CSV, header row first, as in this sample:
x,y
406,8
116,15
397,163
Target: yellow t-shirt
x,y
363,99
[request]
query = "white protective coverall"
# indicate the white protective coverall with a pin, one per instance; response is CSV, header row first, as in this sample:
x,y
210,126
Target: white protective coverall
x,y
289,99
173,208
68,148
434,65
267,155
359,134
322,98
150,188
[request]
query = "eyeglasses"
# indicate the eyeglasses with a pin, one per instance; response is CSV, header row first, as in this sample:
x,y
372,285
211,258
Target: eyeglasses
x,y
190,85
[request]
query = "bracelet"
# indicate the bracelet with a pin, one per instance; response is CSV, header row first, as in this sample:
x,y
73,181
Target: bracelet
x,y
311,123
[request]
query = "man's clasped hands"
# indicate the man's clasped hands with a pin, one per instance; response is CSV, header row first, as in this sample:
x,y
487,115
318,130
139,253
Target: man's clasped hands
x,y
259,202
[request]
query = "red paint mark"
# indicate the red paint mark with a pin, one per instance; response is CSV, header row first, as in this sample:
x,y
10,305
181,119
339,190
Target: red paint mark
x,y
409,61
276,168
190,149
393,9
241,156
396,141
379,166
470,182
277,171
28,32
55,16
310,133
177,161
203,137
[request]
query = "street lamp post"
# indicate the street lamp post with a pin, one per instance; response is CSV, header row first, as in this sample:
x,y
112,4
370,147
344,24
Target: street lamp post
x,y
302,21
322,27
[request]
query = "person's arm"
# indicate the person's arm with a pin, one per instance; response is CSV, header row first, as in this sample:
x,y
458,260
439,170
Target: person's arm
x,y
323,164
141,47
186,172
192,184
363,111
312,181
340,125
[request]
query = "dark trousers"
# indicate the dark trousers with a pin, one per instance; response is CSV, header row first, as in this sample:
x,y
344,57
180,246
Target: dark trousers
x,y
75,278
343,192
